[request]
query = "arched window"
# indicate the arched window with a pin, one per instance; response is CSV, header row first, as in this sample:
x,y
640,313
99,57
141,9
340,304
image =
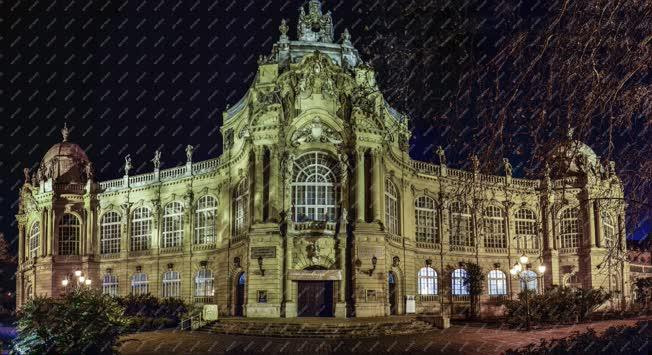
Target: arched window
x,y
497,283
529,278
204,283
426,220
171,284
110,233
608,230
314,192
69,234
241,208
139,284
110,285
205,220
34,239
461,231
141,228
569,228
427,281
458,288
172,225
494,228
526,229
391,208
28,291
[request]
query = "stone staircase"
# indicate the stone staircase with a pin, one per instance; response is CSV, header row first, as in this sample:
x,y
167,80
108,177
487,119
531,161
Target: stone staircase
x,y
319,327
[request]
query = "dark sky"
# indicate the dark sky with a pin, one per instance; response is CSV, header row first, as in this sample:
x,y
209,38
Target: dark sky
x,y
131,77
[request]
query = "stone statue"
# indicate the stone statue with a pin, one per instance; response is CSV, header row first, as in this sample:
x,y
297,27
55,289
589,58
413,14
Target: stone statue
x,y
346,37
26,174
34,179
88,170
65,132
41,172
475,163
508,167
157,159
128,165
442,155
283,28
345,217
189,150
344,169
612,168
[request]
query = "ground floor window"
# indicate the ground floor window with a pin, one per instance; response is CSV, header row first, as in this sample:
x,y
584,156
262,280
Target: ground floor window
x,y
427,281
139,284
171,284
110,285
458,288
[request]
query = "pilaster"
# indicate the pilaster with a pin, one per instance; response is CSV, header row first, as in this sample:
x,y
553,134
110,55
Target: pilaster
x,y
359,186
259,152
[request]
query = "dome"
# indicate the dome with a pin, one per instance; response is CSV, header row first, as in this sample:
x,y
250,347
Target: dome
x,y
572,157
65,162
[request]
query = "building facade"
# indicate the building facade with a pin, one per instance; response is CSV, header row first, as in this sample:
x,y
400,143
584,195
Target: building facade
x,y
315,208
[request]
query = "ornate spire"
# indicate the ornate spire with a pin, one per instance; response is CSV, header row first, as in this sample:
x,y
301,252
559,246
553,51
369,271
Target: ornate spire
x,y
315,26
65,132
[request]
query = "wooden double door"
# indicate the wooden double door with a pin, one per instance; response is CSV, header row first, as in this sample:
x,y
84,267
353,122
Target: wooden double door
x,y
315,299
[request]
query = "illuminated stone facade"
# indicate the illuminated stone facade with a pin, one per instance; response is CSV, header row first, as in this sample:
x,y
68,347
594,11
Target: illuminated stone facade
x,y
316,208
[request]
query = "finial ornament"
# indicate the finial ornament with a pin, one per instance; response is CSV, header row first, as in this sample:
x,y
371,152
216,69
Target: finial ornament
x,y
442,155
346,37
128,165
189,150
508,167
65,132
283,28
475,163
315,26
157,159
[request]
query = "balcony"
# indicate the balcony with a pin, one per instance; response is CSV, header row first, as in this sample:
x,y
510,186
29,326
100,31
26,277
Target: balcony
x,y
568,251
428,245
204,300
501,251
314,226
428,298
200,247
172,250
462,248
109,256
137,253
394,238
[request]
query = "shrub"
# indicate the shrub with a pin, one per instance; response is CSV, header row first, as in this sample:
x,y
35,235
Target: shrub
x,y
555,305
83,321
148,312
615,340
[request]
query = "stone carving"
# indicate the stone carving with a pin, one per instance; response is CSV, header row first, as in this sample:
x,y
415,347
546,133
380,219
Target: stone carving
x,y
442,155
41,173
89,171
344,169
189,151
283,28
475,164
157,160
612,168
315,26
26,175
65,132
128,165
346,37
228,138
508,167
316,132
344,219
396,261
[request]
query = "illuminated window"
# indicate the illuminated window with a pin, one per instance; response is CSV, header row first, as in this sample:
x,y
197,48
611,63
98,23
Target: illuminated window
x,y
494,228
526,229
391,208
426,220
461,230
569,228
110,285
171,284
141,229
205,220
497,283
457,286
204,283
34,239
139,284
609,230
69,235
427,281
241,208
173,225
110,233
314,188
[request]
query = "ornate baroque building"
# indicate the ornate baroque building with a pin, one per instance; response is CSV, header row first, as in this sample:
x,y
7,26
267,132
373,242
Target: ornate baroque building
x,y
316,208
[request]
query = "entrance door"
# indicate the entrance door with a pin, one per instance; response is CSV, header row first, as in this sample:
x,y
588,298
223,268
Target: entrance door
x,y
240,295
315,299
393,305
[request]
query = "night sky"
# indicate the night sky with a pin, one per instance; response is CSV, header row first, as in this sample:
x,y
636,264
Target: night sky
x,y
133,77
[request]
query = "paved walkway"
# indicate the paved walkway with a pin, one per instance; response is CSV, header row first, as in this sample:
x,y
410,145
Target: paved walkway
x,y
459,339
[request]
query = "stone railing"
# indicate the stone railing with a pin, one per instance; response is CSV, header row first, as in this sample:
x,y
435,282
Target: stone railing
x,y
461,298
69,188
426,168
428,298
428,245
141,179
172,250
199,247
460,174
238,239
462,248
568,250
492,179
394,238
137,253
529,184
111,184
314,226
495,251
204,299
110,256
173,173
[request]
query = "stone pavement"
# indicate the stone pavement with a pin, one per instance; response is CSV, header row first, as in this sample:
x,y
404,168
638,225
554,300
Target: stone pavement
x,y
471,338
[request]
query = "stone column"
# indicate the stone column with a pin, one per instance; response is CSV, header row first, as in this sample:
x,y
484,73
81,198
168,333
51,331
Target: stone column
x,y
52,218
290,303
21,240
43,245
597,217
224,222
125,228
274,176
588,222
376,184
155,240
359,186
259,152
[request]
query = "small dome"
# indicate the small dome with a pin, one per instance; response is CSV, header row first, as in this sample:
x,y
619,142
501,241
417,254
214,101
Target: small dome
x,y
65,161
572,157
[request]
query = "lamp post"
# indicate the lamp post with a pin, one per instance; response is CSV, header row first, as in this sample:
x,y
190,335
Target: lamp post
x,y
81,280
521,271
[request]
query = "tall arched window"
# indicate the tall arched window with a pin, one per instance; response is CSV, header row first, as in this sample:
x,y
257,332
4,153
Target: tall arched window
x,y
241,208
314,192
426,220
529,277
494,228
205,220
173,225
497,283
141,228
458,288
69,234
204,283
110,233
34,240
139,284
526,229
608,230
461,230
427,278
110,285
171,284
569,228
391,208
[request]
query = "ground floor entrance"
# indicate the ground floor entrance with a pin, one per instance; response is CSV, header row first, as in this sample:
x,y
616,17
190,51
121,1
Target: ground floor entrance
x,y
315,299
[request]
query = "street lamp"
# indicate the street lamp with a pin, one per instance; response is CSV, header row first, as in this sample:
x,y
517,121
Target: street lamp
x,y
521,271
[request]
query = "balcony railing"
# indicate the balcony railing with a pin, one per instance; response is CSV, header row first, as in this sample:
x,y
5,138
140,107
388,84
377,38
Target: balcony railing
x,y
314,226
394,238
495,250
199,247
462,248
428,245
136,253
461,298
568,250
428,298
204,299
172,250
108,256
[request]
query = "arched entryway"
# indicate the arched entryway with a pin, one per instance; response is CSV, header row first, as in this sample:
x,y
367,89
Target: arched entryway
x,y
240,294
315,298
392,293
